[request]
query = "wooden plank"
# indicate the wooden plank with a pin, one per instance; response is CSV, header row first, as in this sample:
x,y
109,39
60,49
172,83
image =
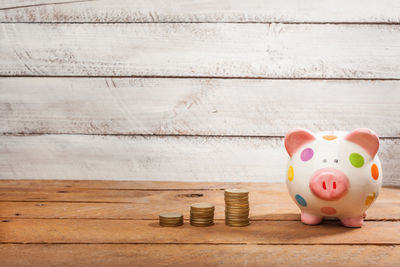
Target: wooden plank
x,y
149,232
146,185
196,255
141,158
201,50
309,11
127,204
170,158
132,211
128,185
196,106
390,192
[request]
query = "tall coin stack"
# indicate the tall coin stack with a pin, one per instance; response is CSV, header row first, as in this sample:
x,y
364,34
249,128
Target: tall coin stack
x,y
237,207
202,214
171,219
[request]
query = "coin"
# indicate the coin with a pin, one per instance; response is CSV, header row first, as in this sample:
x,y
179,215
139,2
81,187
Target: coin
x,y
202,205
171,219
237,207
202,214
236,191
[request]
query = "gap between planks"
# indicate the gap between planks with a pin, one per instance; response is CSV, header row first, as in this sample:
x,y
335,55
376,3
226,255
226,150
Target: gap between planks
x,y
199,77
211,22
187,221
200,244
158,135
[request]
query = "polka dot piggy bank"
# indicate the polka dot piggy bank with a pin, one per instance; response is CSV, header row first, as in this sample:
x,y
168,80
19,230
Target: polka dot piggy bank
x,y
335,174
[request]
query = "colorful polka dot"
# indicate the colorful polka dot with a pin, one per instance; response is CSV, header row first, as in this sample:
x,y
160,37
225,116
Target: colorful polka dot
x,y
306,154
370,198
328,210
356,160
301,200
329,137
374,171
290,173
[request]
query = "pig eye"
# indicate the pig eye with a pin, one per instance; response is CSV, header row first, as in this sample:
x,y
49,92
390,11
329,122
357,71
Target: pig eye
x,y
336,161
324,161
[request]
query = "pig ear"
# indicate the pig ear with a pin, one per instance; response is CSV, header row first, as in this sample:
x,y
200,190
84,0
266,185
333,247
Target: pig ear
x,y
297,138
365,138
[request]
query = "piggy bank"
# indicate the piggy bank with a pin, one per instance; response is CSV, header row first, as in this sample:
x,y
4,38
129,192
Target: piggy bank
x,y
333,174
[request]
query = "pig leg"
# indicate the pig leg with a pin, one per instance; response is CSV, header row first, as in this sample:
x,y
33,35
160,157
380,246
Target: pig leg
x,y
308,218
353,221
364,214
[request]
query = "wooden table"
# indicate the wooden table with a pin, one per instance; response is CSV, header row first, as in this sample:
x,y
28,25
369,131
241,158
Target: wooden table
x,y
114,223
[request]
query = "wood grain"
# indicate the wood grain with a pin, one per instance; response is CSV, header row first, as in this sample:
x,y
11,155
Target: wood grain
x,y
148,231
171,158
201,50
124,90
196,106
196,255
140,158
137,185
12,4
128,185
149,203
309,11
382,210
121,240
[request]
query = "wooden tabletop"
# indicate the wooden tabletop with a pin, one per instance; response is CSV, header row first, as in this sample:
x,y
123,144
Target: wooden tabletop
x,y
115,223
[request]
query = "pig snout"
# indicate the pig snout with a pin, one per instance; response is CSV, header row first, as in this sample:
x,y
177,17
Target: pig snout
x,y
329,184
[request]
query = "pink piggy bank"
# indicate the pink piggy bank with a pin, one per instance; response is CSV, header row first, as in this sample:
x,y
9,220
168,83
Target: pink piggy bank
x,y
335,174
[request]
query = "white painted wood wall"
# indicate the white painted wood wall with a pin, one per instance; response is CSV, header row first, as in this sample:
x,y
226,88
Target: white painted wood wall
x,y
190,90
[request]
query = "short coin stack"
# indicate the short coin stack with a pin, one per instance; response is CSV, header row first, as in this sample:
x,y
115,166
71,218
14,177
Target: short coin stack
x,y
171,219
202,214
237,207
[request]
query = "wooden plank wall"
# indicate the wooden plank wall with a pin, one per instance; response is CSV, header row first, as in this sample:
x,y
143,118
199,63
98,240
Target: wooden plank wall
x,y
190,90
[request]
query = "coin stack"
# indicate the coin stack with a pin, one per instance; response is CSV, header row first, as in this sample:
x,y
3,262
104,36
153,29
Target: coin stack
x,y
202,214
237,207
171,219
